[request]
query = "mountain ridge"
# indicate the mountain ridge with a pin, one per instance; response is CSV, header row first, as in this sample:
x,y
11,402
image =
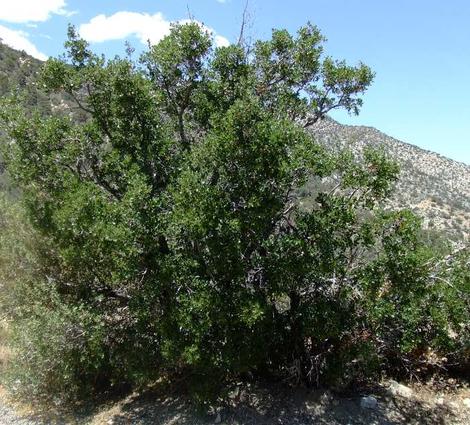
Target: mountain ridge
x,y
431,184
370,127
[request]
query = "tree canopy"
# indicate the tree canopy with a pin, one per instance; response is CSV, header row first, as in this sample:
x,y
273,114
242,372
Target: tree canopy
x,y
175,236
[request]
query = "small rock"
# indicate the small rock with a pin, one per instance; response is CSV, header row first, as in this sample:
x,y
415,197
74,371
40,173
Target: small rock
x,y
369,402
466,402
218,418
235,393
326,397
453,405
400,390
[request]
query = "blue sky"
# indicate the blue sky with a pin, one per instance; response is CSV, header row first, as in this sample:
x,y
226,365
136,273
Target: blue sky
x,y
419,49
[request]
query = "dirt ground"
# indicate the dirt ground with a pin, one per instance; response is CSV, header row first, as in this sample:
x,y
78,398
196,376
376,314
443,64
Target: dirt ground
x,y
260,405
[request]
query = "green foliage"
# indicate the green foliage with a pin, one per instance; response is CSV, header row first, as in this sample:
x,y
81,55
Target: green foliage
x,y
175,239
418,305
59,346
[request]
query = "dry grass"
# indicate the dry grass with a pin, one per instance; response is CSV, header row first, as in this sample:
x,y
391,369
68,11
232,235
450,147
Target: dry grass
x,y
5,352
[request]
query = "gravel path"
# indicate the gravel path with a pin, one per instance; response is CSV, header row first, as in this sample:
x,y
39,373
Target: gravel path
x,y
9,417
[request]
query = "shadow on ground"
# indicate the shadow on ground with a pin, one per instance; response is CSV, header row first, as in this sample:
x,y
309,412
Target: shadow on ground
x,y
250,404
268,405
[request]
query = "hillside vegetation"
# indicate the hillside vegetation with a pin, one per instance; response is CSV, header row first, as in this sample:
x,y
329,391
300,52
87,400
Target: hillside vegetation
x,y
19,73
178,221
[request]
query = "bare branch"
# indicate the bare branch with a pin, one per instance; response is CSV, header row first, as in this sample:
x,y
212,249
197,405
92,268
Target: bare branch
x,y
241,37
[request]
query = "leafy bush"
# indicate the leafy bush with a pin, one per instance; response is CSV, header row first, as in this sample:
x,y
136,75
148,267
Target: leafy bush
x,y
59,347
173,237
418,304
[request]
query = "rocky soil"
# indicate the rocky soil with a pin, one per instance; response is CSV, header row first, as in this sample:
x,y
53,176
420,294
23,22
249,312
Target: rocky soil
x,y
387,404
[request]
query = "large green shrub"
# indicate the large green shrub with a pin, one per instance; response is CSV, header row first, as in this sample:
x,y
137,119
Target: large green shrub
x,y
176,239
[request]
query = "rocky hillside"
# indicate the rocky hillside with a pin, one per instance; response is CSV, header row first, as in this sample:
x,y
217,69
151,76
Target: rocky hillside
x,y
18,72
435,187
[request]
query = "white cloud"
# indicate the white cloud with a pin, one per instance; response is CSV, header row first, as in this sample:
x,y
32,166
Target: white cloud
x,y
123,24
22,11
19,40
221,41
141,25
